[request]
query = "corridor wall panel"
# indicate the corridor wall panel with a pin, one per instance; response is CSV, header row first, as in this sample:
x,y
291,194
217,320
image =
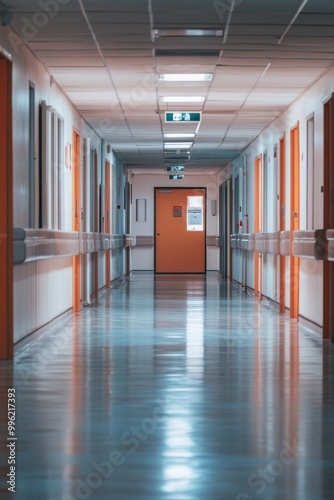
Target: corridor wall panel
x,y
40,294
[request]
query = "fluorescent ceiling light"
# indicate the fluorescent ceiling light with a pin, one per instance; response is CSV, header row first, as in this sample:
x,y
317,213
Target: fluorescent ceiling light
x,y
179,136
193,98
156,33
183,77
177,145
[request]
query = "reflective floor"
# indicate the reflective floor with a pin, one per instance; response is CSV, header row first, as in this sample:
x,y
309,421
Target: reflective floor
x,y
173,388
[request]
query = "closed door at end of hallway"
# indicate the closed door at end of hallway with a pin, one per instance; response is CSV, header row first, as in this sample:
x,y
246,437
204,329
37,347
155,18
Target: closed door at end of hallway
x,y
180,230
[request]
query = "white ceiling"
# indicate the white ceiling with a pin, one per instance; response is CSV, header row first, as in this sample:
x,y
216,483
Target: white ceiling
x,y
102,54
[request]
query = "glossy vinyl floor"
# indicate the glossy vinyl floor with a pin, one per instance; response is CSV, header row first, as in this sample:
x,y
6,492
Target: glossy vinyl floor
x,y
173,388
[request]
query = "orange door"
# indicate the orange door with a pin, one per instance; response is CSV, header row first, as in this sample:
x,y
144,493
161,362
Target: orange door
x,y
294,219
76,218
258,226
6,212
180,230
282,222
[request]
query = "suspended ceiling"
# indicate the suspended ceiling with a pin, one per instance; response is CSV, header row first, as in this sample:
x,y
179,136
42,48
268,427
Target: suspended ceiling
x,y
107,58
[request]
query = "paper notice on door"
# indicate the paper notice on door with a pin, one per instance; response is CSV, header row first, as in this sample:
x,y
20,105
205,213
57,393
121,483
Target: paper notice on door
x,y
195,219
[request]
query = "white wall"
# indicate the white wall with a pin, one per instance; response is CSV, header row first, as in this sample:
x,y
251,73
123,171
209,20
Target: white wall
x,y
143,188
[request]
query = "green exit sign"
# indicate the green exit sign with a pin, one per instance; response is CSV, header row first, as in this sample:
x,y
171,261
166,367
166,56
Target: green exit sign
x,y
183,116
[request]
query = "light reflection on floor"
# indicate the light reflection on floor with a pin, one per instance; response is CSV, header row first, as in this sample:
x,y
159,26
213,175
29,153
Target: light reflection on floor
x,y
175,387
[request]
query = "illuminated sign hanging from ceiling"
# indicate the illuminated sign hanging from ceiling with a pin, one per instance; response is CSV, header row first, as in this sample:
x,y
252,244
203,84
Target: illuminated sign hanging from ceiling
x,y
183,116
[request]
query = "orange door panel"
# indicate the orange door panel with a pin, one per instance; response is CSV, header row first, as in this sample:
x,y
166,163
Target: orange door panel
x,y
294,220
177,248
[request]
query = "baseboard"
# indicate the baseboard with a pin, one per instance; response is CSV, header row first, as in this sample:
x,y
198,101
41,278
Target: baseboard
x,y
37,334
310,325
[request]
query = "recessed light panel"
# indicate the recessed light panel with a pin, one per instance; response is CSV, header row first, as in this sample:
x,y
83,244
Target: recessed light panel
x,y
180,77
193,98
177,145
179,136
156,33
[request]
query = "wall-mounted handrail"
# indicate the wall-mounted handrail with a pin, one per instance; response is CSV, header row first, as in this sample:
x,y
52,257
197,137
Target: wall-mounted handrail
x,y
235,241
273,243
260,242
268,243
306,244
144,241
37,244
330,244
285,243
243,241
129,240
310,244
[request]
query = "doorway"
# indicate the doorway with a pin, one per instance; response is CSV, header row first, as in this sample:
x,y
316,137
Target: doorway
x,y
76,218
223,222
107,224
328,286
282,222
6,211
294,219
258,226
180,230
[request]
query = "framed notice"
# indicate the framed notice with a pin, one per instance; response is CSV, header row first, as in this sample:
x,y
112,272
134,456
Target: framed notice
x,y
177,211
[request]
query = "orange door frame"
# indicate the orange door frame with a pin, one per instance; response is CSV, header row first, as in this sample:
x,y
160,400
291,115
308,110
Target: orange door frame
x,y
76,219
6,212
294,218
282,222
258,226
